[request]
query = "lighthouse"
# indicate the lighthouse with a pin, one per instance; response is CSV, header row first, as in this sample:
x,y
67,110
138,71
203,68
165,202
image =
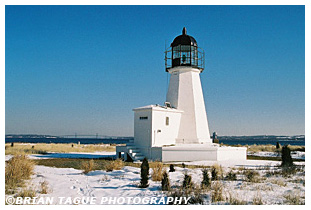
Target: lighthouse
x,y
178,129
184,62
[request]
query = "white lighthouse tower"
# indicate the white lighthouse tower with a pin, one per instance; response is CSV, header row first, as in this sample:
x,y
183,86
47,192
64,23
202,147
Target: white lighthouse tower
x,y
185,62
178,130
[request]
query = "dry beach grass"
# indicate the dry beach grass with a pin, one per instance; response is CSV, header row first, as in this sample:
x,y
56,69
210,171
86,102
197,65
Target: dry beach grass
x,y
114,165
43,148
157,171
17,170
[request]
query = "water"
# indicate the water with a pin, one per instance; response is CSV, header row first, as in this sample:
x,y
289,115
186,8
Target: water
x,y
230,140
273,142
259,140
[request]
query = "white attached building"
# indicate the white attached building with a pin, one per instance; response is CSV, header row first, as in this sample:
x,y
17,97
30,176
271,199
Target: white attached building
x,y
178,131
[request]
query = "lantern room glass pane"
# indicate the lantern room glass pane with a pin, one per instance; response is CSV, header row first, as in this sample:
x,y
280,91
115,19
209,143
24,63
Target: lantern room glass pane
x,y
185,57
194,53
185,48
176,52
185,54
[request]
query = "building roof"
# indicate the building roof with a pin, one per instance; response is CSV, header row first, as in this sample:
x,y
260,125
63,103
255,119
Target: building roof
x,y
158,108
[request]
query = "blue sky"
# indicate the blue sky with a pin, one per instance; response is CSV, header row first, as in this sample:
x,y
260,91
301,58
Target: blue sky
x,y
82,69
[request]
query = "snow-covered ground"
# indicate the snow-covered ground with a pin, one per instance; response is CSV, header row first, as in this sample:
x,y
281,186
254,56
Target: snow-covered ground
x,y
72,183
294,154
67,182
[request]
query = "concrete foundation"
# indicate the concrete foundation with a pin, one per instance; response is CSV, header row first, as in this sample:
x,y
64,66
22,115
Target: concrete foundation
x,y
190,152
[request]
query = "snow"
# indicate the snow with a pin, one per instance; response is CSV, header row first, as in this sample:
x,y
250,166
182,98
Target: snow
x,y
232,163
72,183
294,154
68,182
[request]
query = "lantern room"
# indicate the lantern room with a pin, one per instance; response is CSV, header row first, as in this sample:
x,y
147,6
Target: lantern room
x,y
184,51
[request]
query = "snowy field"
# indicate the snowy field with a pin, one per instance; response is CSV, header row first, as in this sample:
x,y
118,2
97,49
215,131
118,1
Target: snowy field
x,y
294,154
69,182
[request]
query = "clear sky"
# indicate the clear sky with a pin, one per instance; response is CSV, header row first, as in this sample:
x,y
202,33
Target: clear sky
x,y
82,69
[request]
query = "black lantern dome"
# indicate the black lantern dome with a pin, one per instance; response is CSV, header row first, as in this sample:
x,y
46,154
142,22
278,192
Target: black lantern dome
x,y
184,39
184,51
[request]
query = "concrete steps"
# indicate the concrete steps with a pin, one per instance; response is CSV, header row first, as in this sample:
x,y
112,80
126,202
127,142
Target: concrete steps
x,y
134,152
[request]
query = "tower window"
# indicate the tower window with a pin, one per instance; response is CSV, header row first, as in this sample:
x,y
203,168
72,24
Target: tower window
x,y
143,118
167,121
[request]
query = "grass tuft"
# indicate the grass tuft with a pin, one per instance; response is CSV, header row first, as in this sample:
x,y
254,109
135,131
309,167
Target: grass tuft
x,y
232,200
217,192
187,183
87,166
251,175
293,198
18,169
157,171
44,187
257,199
27,193
217,172
231,176
279,182
117,164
